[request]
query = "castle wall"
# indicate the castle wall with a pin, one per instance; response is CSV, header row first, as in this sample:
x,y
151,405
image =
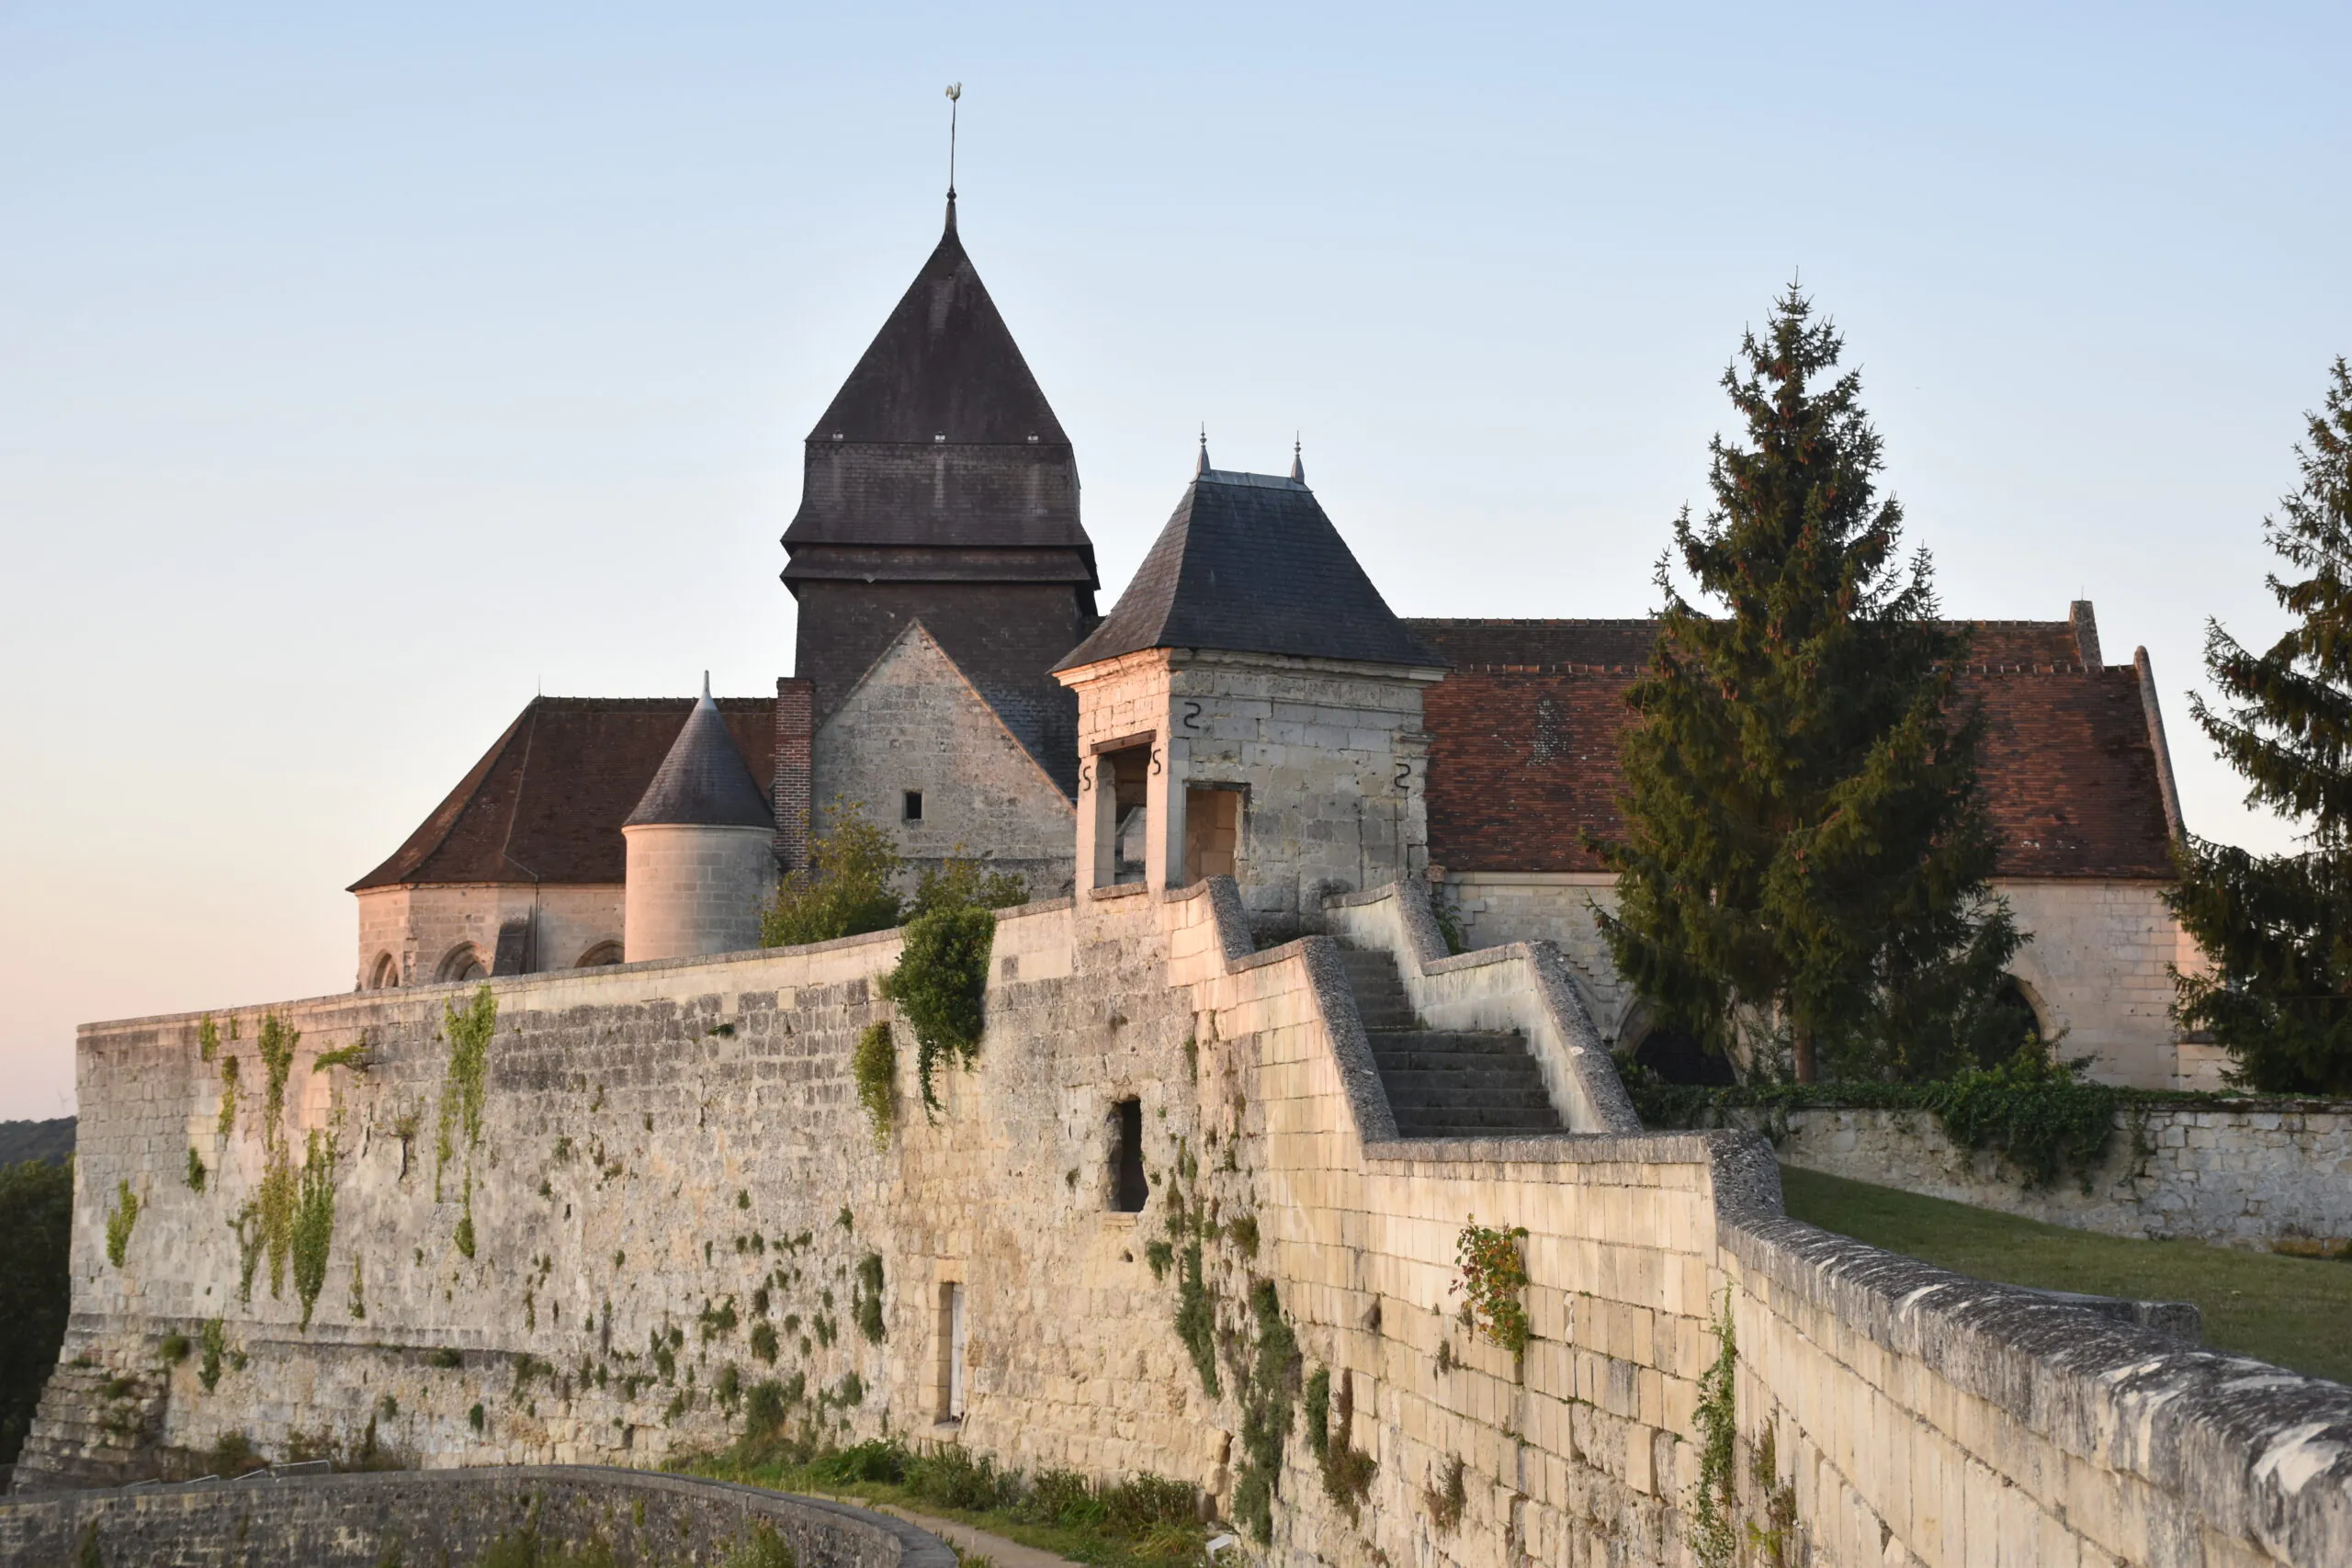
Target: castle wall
x,y
419,927
637,1122
915,722
2097,968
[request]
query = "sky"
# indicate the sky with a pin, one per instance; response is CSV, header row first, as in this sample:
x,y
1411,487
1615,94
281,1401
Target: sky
x,y
366,370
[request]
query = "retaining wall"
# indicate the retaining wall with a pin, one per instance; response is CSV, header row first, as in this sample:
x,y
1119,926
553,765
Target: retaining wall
x,y
449,1517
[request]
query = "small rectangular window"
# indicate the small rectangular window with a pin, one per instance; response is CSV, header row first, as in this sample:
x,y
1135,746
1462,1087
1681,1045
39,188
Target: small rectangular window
x,y
914,805
951,1351
1128,1188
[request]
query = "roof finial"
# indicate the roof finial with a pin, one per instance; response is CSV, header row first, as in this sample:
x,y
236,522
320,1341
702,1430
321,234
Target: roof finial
x,y
705,685
1203,466
1297,461
954,98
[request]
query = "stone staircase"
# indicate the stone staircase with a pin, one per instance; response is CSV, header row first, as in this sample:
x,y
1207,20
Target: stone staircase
x,y
1444,1083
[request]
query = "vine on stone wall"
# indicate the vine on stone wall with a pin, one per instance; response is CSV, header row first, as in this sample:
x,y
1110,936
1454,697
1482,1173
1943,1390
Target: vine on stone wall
x,y
276,1044
228,1123
1196,1318
874,1064
1714,1499
469,1033
248,1231
196,1172
939,986
212,1341
280,1189
865,1299
1492,1277
208,1039
1267,1411
1330,1436
120,1220
464,1235
312,1226
1447,1498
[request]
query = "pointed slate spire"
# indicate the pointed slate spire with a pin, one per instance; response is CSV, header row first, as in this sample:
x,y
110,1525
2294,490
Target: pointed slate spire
x,y
1297,463
703,782
1203,466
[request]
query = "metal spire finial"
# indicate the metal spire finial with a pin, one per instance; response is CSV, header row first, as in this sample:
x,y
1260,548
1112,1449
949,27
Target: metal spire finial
x,y
1202,467
1297,461
955,98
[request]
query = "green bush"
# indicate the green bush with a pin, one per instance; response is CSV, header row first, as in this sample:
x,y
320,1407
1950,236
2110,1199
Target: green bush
x,y
213,1337
848,887
867,1301
763,1341
36,1248
763,1408
939,987
119,1221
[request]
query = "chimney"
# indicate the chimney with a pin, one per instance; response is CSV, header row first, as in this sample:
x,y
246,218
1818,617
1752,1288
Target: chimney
x,y
2086,624
795,710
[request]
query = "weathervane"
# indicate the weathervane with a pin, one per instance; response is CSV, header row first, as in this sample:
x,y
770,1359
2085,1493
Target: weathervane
x,y
954,94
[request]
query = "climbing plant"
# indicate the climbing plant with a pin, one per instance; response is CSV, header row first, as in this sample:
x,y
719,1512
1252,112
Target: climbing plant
x,y
208,1039
866,1300
1713,1537
1196,1318
462,1092
874,1064
938,986
228,1123
276,1044
212,1340
312,1225
1267,1411
1492,1277
196,1172
119,1218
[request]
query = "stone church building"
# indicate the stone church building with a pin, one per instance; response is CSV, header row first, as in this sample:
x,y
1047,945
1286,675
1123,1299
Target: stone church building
x,y
1253,708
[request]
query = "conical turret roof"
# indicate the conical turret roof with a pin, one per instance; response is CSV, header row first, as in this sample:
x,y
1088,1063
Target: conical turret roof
x,y
1251,564
703,782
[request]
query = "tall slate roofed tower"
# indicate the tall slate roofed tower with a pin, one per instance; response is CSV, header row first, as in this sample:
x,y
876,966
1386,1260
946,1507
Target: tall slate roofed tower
x,y
940,487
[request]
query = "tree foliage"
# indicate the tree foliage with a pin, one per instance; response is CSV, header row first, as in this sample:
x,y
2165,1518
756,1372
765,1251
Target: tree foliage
x,y
36,1288
848,888
1803,871
2278,928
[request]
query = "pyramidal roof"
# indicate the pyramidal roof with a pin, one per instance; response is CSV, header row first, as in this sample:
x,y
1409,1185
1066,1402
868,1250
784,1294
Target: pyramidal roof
x,y
943,364
703,782
1251,564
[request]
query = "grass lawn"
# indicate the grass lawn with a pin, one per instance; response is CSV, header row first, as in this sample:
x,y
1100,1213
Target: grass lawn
x,y
2292,1311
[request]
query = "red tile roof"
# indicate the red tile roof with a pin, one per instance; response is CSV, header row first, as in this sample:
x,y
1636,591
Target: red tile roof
x,y
1523,760
548,800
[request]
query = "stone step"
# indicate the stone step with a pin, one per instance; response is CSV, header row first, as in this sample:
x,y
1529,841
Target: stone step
x,y
1381,999
1422,1098
1465,1122
1444,1083
1446,1045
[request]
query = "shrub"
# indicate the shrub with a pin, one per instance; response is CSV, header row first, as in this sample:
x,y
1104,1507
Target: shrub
x,y
763,1408
173,1349
939,987
2043,1114
867,1299
763,1341
233,1455
763,1548
36,1245
196,1172
846,888
962,884
214,1339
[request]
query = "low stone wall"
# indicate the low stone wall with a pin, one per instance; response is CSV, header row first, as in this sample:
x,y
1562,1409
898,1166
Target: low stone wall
x,y
2277,1174
447,1517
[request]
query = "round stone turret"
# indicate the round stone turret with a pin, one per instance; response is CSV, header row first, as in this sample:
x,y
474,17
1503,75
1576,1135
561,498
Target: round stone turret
x,y
701,849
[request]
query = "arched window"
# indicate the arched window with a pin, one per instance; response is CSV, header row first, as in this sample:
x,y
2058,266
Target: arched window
x,y
596,957
2017,1020
1676,1056
462,962
385,975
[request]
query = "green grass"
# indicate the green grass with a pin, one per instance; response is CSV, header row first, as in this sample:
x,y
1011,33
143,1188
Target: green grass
x,y
2291,1312
1087,1532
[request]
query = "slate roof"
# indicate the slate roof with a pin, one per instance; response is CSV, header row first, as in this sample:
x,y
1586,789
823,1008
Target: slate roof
x,y
1249,563
549,797
941,440
1525,727
703,782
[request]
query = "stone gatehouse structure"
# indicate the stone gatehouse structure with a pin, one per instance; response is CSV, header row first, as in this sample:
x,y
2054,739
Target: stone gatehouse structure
x,y
1232,1092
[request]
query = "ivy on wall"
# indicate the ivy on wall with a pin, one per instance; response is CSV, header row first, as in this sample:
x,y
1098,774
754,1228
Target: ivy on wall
x,y
462,1092
1491,1279
874,1064
939,986
312,1223
228,1123
1267,1411
1714,1535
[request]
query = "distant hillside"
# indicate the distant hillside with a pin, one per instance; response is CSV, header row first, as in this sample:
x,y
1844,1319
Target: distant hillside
x,y
51,1140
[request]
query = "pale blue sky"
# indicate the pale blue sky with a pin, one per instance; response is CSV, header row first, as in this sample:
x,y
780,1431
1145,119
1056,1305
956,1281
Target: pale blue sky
x,y
364,370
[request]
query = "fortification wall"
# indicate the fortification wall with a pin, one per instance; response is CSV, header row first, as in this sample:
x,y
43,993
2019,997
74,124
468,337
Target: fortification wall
x,y
2273,1172
1882,1411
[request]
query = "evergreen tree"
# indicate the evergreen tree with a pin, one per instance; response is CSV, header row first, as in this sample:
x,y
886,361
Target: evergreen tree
x,y
2278,928
1803,877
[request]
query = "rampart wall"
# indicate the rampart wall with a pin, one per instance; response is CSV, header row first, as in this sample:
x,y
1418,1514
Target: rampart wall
x,y
661,1142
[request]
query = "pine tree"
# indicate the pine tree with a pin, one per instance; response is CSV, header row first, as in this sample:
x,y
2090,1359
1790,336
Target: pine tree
x,y
1804,873
2278,928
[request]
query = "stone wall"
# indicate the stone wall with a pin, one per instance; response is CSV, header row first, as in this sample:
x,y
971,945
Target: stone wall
x,y
915,722
2097,968
451,1517
661,1142
420,929
2273,1172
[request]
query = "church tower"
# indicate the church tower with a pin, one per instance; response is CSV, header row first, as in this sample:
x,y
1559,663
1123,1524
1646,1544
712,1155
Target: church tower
x,y
939,487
